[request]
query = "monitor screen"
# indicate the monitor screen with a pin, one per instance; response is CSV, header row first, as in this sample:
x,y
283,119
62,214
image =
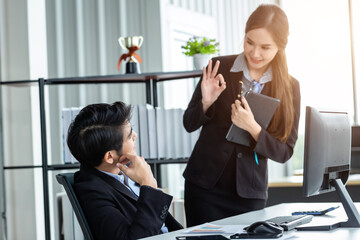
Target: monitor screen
x,y
355,149
327,150
327,161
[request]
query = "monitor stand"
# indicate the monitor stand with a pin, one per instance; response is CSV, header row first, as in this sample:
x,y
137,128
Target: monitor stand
x,y
349,207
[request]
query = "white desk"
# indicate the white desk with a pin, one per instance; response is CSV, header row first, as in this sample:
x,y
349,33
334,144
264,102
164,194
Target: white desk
x,y
286,209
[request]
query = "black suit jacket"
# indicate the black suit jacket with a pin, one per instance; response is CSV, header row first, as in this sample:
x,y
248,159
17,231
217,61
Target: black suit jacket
x,y
212,151
114,212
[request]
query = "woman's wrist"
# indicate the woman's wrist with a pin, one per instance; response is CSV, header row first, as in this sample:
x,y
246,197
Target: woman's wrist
x,y
255,131
205,105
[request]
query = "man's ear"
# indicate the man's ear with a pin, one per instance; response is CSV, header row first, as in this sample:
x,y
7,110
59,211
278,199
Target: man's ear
x,y
109,157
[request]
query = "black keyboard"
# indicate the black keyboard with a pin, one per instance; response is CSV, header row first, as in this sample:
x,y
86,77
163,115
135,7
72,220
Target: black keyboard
x,y
291,222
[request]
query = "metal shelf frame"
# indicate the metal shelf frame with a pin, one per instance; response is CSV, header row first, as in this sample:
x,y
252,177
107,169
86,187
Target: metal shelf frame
x,y
149,79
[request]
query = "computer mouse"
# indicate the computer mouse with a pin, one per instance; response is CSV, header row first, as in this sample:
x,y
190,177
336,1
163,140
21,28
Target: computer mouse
x,y
264,227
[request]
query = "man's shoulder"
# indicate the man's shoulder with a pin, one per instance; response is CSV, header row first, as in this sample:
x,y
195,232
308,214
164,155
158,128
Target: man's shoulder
x,y
89,180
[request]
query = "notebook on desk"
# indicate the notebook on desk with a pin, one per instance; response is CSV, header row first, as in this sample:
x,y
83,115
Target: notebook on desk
x,y
263,108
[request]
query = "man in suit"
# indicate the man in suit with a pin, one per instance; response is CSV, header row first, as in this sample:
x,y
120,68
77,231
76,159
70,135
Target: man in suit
x,y
115,187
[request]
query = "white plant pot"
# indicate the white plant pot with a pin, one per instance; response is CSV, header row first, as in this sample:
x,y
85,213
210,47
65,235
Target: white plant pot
x,y
201,60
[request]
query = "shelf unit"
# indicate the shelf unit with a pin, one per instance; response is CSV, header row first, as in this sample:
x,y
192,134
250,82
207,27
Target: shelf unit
x,y
151,81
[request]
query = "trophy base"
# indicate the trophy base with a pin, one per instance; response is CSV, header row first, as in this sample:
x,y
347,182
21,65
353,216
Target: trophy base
x,y
132,67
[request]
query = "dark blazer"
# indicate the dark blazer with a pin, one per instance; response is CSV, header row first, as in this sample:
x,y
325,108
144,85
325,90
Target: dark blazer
x,y
212,151
114,212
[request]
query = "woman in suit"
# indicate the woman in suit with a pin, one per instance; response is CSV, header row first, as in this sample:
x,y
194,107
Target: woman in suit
x,y
223,178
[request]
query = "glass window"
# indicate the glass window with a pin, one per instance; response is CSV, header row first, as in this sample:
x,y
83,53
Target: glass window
x,y
355,21
319,57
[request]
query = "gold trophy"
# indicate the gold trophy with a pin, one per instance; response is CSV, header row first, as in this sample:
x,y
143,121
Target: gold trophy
x,y
131,44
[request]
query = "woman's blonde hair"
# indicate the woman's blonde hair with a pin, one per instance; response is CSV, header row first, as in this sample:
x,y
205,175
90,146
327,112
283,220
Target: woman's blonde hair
x,y
273,18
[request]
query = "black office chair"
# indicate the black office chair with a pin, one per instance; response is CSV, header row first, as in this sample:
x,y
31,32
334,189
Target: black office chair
x,y
67,180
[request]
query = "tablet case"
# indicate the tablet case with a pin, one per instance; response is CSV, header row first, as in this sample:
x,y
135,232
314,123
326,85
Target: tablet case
x,y
263,108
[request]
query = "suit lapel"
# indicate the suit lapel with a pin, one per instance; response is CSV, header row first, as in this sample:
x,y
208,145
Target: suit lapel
x,y
122,188
266,89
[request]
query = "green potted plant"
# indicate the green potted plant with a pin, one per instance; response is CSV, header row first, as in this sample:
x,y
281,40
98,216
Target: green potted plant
x,y
201,49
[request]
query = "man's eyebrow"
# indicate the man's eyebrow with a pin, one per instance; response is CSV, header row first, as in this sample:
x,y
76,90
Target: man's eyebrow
x,y
130,132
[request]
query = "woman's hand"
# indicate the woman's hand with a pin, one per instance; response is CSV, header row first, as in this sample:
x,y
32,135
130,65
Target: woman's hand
x,y
243,118
212,85
139,170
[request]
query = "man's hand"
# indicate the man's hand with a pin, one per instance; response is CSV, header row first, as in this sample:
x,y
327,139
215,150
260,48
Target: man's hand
x,y
212,85
139,170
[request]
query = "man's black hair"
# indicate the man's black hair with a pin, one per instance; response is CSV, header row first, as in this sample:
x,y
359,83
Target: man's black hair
x,y
97,129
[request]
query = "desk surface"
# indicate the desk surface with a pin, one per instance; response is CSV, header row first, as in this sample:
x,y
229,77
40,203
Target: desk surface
x,y
286,209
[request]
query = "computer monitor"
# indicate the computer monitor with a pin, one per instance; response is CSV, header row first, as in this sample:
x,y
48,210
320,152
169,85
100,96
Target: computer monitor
x,y
355,149
327,160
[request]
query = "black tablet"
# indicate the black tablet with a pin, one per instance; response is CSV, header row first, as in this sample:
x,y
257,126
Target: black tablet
x,y
263,108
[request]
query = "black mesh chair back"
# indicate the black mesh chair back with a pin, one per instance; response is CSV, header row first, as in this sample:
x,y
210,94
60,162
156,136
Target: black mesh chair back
x,y
67,180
